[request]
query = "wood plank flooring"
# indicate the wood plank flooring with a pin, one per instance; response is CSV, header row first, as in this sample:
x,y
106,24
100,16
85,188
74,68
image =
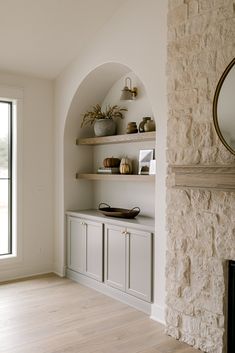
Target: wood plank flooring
x,y
56,315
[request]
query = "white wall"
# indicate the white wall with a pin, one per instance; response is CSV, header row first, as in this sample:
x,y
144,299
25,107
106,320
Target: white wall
x,y
36,179
135,37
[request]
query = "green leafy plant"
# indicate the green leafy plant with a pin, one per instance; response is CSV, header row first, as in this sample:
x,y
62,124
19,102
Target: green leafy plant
x,y
110,112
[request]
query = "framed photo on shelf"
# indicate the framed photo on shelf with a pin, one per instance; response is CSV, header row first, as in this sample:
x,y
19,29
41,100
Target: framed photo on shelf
x,y
145,156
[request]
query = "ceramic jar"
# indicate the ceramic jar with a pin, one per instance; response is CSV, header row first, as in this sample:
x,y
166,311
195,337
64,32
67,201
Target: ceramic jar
x,y
143,122
131,128
149,126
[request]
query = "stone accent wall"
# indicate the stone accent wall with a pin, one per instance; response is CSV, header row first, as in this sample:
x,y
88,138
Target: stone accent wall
x,y
201,224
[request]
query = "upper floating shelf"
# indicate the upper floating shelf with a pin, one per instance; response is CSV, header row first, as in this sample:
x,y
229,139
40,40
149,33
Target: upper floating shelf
x,y
144,136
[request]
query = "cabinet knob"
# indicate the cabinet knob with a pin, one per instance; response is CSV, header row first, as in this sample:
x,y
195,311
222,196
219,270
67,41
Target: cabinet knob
x,y
83,223
124,232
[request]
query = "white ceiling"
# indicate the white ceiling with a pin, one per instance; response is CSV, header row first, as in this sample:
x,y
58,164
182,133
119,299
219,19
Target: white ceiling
x,y
41,37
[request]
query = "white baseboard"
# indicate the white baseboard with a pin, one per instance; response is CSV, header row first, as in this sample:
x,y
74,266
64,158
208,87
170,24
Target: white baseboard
x,y
111,292
158,313
10,278
59,270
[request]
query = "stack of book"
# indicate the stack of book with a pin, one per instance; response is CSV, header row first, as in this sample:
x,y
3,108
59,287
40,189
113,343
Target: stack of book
x,y
112,170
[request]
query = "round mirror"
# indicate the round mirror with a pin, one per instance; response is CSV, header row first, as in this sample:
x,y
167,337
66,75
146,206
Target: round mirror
x,y
224,108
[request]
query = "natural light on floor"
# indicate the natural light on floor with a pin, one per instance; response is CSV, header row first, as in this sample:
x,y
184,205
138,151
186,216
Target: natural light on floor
x,y
4,178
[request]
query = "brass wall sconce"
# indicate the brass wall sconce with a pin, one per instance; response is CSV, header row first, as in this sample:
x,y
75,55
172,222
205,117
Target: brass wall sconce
x,y
128,93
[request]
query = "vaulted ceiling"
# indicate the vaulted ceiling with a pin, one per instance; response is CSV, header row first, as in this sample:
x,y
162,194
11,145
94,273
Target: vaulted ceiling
x,y
41,37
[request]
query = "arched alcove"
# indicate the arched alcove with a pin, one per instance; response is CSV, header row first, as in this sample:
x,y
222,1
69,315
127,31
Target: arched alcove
x,y
101,86
149,65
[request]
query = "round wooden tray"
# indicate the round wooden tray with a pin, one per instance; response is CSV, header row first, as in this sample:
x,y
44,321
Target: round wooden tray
x,y
118,212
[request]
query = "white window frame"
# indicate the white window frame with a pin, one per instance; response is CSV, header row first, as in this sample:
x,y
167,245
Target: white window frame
x,y
15,95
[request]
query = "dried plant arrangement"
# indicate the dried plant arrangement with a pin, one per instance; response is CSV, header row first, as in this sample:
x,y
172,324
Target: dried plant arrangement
x,y
97,113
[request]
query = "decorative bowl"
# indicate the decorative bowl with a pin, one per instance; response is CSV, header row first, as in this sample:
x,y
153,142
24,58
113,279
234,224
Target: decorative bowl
x,y
118,212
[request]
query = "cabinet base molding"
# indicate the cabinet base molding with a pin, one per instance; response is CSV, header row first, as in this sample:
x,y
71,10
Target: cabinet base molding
x,y
112,292
158,313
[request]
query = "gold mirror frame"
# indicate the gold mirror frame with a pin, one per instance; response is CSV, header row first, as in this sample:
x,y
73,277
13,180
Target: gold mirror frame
x,y
215,104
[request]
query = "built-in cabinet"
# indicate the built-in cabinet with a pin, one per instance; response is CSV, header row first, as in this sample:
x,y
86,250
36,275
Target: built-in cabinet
x,y
117,253
113,256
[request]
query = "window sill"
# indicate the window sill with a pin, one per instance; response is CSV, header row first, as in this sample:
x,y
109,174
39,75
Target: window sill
x,y
9,260
8,256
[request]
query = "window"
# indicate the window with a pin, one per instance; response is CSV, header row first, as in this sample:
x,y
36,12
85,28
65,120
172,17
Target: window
x,y
5,177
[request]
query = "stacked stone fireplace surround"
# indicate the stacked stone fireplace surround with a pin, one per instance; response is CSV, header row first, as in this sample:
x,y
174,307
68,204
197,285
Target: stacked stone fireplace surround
x,y
201,223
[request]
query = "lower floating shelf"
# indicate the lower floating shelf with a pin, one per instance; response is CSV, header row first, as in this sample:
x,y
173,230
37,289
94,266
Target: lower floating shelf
x,y
117,177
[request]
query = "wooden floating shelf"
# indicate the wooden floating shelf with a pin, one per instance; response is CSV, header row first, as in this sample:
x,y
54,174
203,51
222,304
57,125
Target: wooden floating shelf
x,y
144,136
215,177
117,177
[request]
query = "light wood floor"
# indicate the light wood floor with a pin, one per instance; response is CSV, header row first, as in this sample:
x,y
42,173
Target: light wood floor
x,y
54,315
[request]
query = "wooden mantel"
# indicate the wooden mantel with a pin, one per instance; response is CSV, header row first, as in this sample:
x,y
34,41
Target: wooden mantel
x,y
215,177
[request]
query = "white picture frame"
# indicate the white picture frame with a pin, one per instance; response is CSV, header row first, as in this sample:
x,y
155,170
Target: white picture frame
x,y
145,156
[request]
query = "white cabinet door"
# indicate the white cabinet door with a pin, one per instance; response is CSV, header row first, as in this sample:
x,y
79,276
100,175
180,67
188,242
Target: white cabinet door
x,y
76,237
139,264
85,247
115,257
94,250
